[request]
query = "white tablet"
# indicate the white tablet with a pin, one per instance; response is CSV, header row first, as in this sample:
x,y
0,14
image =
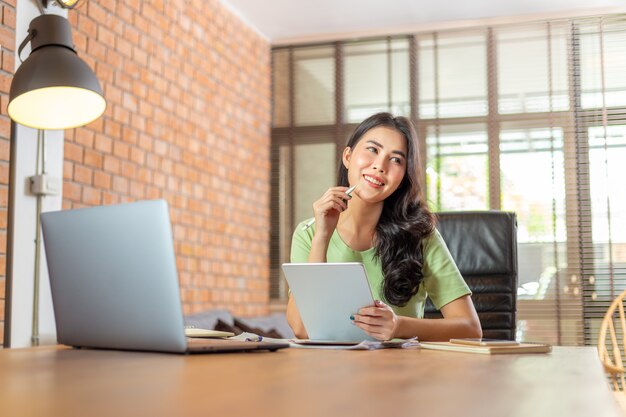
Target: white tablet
x,y
326,295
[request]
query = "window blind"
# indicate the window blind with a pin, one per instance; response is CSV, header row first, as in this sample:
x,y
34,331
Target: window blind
x,y
528,118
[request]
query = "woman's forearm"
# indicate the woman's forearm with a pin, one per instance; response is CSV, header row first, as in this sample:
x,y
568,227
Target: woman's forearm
x,y
460,320
319,247
294,319
437,329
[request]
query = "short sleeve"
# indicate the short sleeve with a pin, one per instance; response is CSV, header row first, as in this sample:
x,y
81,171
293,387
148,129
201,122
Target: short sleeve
x,y
301,243
442,280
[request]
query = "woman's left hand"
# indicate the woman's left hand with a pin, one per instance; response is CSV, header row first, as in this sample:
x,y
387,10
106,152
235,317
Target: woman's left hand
x,y
378,321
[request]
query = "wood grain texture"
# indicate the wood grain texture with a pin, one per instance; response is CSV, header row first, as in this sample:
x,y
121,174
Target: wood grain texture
x,y
56,381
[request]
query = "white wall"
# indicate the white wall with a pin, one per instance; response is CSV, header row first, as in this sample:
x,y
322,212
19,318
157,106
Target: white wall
x,y
24,203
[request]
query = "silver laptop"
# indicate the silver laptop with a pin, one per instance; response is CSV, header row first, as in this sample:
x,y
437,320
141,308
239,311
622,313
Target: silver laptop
x,y
114,281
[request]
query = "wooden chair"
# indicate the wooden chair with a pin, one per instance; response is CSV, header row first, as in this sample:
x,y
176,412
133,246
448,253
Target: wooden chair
x,y
612,344
612,348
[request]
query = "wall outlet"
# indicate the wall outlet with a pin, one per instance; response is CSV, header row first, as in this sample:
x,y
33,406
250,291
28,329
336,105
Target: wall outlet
x,y
44,184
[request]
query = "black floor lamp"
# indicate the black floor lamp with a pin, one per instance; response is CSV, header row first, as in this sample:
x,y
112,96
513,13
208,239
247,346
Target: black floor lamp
x,y
53,89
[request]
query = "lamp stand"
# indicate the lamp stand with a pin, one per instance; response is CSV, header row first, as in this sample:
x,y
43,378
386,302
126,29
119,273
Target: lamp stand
x,y
41,163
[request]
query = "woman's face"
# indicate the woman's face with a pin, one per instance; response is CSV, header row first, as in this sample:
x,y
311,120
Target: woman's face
x,y
377,163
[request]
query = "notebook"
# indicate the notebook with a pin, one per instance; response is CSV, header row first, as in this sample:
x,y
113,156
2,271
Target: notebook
x,y
488,350
326,295
114,281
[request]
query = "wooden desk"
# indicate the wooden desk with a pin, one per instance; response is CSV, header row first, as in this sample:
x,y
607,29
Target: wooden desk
x,y
55,381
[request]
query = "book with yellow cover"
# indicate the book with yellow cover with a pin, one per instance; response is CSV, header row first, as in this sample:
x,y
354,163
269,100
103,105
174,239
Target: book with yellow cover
x,y
488,350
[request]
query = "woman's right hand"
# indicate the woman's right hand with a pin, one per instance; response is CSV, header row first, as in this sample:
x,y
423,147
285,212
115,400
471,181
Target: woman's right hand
x,y
328,208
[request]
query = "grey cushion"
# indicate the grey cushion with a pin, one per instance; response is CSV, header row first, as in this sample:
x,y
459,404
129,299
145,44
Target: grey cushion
x,y
276,321
208,319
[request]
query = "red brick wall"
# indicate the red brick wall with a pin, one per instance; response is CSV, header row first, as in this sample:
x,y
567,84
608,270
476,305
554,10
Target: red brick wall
x,y
7,62
188,113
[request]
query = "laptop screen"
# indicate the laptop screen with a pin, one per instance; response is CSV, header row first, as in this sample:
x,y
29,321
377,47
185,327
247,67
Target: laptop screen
x,y
113,277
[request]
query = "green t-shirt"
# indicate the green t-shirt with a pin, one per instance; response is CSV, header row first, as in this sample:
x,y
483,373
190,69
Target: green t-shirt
x,y
442,280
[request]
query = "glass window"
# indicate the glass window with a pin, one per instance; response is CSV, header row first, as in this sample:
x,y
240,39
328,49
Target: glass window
x,y
376,78
457,167
400,79
532,69
603,64
531,169
301,177
452,71
315,171
532,182
314,86
533,186
607,170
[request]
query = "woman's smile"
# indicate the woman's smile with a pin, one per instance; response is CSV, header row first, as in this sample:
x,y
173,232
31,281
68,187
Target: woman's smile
x,y
373,181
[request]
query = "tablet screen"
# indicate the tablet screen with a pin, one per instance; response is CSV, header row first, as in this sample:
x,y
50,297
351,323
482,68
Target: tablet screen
x,y
326,295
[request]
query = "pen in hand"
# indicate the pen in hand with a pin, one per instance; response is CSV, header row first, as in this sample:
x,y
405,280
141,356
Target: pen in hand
x,y
310,222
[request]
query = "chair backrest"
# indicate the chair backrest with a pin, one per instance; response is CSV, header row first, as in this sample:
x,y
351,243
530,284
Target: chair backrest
x,y
484,247
612,342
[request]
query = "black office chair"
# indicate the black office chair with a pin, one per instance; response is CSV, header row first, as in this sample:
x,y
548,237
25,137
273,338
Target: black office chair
x,y
484,247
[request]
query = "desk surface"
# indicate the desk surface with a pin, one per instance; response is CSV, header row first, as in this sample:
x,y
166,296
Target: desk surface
x,y
56,381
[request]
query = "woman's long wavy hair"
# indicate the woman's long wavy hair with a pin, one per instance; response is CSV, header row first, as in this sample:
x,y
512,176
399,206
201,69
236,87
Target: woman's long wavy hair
x,y
405,219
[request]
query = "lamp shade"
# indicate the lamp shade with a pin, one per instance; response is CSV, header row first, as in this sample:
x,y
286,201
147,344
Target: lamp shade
x,y
66,4
54,88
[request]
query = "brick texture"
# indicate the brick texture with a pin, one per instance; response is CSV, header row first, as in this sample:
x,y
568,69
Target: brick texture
x,y
7,61
188,114
187,120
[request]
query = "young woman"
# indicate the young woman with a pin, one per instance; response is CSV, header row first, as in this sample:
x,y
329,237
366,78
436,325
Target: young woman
x,y
386,225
